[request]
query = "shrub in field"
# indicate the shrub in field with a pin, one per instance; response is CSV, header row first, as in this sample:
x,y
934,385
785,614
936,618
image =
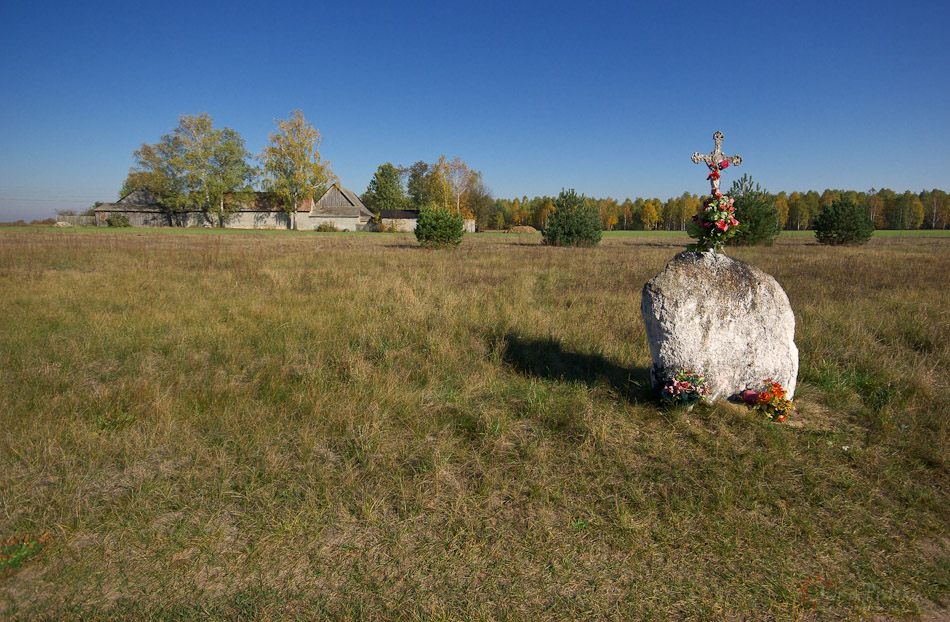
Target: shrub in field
x,y
573,222
438,228
118,220
757,212
326,227
843,222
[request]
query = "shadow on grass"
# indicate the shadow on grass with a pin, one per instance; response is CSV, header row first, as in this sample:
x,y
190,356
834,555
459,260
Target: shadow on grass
x,y
547,358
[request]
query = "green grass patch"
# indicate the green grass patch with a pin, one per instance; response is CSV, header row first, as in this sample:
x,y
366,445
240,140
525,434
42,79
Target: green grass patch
x,y
16,550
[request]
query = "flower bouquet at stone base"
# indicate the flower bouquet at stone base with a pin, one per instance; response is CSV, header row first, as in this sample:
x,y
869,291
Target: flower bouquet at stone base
x,y
771,401
686,388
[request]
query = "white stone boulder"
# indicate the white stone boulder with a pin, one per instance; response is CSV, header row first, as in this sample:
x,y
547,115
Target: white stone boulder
x,y
722,318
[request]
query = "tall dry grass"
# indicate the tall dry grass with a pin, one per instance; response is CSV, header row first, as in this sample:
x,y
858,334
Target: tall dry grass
x,y
255,426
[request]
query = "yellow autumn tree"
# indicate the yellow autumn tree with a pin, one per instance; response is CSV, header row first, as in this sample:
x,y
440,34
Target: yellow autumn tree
x,y
293,168
650,214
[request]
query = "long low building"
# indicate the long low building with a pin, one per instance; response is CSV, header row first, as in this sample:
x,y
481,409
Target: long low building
x,y
405,220
337,207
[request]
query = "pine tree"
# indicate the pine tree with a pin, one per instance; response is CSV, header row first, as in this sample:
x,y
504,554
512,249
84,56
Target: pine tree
x,y
573,222
756,212
385,191
439,227
843,222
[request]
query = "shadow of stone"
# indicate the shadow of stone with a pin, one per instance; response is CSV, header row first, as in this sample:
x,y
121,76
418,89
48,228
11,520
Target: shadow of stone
x,y
547,358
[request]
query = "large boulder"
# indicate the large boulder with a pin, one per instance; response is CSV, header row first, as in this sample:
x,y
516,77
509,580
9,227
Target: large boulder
x,y
722,318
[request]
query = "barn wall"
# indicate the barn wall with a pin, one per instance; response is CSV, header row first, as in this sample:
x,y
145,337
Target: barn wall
x,y
259,220
310,223
408,225
136,218
405,225
236,220
77,221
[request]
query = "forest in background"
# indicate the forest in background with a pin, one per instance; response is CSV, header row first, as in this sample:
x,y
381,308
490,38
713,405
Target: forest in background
x,y
453,185
929,209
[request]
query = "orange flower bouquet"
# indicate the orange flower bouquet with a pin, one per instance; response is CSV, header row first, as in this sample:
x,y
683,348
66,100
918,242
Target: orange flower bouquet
x,y
771,401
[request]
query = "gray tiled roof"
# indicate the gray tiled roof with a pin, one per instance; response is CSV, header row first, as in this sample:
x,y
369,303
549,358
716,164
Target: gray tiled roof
x,y
399,214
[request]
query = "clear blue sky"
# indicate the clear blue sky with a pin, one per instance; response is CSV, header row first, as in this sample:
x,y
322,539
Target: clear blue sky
x,y
610,98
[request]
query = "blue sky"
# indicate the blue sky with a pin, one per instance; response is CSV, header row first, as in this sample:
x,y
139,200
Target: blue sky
x,y
610,98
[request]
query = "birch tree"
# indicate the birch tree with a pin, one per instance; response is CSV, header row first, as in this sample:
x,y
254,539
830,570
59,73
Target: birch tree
x,y
460,180
292,167
194,168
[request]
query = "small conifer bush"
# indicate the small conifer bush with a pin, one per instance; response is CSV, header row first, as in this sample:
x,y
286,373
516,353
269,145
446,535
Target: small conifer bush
x,y
573,222
756,212
439,228
843,222
118,220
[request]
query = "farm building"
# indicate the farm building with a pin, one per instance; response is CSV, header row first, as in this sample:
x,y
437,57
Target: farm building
x,y
338,207
398,220
405,220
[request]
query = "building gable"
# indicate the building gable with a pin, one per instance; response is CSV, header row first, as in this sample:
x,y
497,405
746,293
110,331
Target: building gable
x,y
338,201
334,197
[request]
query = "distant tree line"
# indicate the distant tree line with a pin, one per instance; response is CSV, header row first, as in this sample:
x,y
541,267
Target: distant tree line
x,y
23,223
887,209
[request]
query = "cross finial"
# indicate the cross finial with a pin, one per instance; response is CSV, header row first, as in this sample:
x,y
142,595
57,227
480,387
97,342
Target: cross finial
x,y
714,161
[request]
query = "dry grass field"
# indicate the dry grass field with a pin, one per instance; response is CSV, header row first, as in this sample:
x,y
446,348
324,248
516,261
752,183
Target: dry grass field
x,y
234,425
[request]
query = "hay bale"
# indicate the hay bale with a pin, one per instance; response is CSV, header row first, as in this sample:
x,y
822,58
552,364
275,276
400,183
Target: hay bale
x,y
523,229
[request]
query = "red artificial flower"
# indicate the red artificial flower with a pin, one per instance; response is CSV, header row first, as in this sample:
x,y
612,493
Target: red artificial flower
x,y
722,225
724,165
764,397
718,194
781,418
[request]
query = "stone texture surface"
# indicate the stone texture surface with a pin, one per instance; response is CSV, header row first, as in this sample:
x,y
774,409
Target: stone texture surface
x,y
723,318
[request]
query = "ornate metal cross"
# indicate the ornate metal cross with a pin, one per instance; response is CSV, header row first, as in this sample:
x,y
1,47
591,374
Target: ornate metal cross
x,y
714,161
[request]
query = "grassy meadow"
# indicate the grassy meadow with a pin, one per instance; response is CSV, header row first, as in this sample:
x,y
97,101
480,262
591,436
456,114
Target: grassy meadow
x,y
224,425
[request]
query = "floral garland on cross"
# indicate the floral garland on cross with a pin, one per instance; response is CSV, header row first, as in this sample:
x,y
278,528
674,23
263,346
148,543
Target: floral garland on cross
x,y
716,222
